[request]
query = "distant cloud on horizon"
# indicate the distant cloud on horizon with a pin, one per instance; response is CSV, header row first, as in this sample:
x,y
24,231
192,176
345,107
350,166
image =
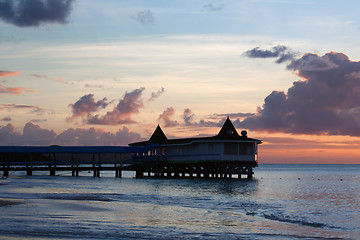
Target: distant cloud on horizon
x,y
33,134
325,101
33,13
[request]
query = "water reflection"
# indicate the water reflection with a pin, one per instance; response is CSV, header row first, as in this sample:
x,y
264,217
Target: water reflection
x,y
200,186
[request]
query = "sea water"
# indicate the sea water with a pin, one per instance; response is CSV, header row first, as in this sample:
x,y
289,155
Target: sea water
x,y
281,202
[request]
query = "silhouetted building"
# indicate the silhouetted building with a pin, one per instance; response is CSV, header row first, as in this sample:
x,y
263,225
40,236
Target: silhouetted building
x,y
225,153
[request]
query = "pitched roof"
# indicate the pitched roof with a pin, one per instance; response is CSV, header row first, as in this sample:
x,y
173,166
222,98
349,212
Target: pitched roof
x,y
158,136
227,132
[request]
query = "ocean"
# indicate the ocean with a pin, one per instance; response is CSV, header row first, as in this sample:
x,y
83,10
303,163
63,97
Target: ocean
x,y
281,202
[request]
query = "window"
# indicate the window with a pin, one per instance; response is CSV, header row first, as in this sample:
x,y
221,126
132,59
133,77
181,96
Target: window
x,y
230,148
246,148
211,147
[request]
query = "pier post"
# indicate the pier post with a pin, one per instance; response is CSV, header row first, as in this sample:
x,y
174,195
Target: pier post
x,y
93,164
118,173
29,169
250,173
139,173
6,170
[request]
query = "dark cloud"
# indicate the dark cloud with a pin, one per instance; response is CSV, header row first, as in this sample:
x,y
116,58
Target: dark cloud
x,y
165,117
35,135
33,13
144,17
213,7
326,101
85,106
282,53
121,114
157,94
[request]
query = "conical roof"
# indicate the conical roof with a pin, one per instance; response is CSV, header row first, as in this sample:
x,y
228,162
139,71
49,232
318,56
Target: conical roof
x,y
228,130
158,136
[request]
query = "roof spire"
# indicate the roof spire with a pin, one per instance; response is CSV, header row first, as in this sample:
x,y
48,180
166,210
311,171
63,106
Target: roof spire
x,y
228,130
158,136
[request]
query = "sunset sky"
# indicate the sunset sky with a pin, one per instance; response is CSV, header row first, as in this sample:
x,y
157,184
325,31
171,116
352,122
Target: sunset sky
x,y
89,72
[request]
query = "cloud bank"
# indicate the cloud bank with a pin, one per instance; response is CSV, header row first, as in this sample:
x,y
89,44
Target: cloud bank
x,y
33,13
325,101
33,134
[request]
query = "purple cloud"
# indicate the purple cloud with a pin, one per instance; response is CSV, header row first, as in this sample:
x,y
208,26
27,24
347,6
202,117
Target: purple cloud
x,y
35,135
165,117
85,106
121,114
326,101
188,116
157,94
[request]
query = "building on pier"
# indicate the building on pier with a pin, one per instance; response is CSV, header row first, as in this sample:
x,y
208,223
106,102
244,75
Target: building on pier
x,y
222,155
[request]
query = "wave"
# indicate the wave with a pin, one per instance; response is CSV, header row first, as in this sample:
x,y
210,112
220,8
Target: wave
x,y
80,197
287,219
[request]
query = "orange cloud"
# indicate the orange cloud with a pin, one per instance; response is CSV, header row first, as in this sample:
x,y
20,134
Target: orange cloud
x,y
12,90
9,73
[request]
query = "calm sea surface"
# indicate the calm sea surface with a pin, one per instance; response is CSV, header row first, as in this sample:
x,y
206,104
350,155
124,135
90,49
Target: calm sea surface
x,y
282,202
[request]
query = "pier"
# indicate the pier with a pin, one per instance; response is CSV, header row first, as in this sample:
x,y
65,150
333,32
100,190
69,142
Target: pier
x,y
55,159
95,159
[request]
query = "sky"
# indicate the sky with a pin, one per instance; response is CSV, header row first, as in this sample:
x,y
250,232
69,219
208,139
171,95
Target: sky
x,y
88,72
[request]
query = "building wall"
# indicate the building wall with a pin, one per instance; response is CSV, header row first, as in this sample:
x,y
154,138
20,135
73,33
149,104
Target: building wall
x,y
212,152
